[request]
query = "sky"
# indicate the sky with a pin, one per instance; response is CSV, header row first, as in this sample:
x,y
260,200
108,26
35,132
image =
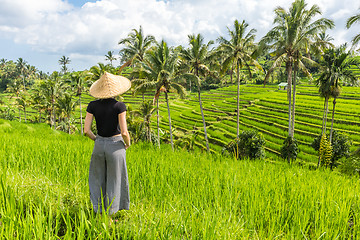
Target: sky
x,y
42,31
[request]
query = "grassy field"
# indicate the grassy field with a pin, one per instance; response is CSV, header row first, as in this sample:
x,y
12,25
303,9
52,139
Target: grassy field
x,y
174,195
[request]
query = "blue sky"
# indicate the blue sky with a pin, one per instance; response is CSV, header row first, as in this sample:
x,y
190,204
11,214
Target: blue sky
x,y
41,31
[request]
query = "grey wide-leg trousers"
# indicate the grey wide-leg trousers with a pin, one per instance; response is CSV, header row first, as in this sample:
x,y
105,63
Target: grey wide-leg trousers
x,y
108,179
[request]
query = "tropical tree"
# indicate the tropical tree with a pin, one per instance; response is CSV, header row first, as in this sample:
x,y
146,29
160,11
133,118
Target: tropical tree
x,y
159,73
37,99
351,21
136,45
64,61
196,57
23,102
110,57
295,30
77,82
95,72
145,111
21,66
337,69
15,88
51,89
66,105
238,53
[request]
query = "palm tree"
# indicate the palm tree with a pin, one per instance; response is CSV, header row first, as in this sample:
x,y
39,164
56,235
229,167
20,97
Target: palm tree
x,y
37,100
352,20
15,87
110,57
77,82
295,30
51,89
21,66
238,52
338,69
146,110
159,73
23,102
196,57
64,61
66,106
136,45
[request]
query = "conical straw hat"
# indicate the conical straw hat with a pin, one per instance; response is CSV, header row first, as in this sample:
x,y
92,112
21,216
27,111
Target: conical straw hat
x,y
109,85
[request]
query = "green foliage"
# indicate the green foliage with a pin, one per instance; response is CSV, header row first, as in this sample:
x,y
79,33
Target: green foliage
x,y
290,149
340,143
249,144
351,165
325,151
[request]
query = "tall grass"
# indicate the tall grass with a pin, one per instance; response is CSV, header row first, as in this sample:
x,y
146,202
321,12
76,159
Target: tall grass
x,y
174,195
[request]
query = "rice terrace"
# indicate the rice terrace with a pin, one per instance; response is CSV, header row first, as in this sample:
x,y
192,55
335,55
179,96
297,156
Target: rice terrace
x,y
231,138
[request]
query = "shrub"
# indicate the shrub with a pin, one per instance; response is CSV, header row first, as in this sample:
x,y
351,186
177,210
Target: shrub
x,y
290,149
351,165
340,143
249,144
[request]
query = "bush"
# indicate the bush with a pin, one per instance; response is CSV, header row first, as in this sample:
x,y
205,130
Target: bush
x,y
351,166
340,143
249,144
290,149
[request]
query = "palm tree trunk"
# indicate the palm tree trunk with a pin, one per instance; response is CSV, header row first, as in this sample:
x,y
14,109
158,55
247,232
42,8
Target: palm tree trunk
x,y
81,123
168,107
19,114
332,120
325,115
203,119
158,129
25,113
39,116
231,74
238,99
293,103
289,81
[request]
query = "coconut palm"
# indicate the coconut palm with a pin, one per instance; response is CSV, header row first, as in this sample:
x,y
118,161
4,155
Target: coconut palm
x,y
294,31
66,105
338,64
51,89
136,45
238,53
145,111
23,102
15,88
159,73
110,57
77,82
37,99
64,61
21,66
95,72
352,20
197,57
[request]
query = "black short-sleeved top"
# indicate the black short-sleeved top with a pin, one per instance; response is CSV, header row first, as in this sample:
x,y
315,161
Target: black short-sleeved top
x,y
106,113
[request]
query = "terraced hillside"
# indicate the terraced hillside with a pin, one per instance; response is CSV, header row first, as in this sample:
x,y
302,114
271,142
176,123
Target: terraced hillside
x,y
262,109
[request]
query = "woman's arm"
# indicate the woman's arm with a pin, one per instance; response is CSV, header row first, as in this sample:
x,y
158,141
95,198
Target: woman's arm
x,y
123,127
87,126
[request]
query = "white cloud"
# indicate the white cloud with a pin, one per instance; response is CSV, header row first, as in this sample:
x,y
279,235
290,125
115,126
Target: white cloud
x,y
58,27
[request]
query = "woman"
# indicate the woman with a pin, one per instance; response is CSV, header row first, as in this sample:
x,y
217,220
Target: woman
x,y
108,180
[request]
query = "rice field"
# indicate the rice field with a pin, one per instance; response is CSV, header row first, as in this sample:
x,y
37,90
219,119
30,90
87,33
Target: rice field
x,y
261,109
174,195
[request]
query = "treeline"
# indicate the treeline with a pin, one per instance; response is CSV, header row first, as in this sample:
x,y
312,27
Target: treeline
x,y
296,47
